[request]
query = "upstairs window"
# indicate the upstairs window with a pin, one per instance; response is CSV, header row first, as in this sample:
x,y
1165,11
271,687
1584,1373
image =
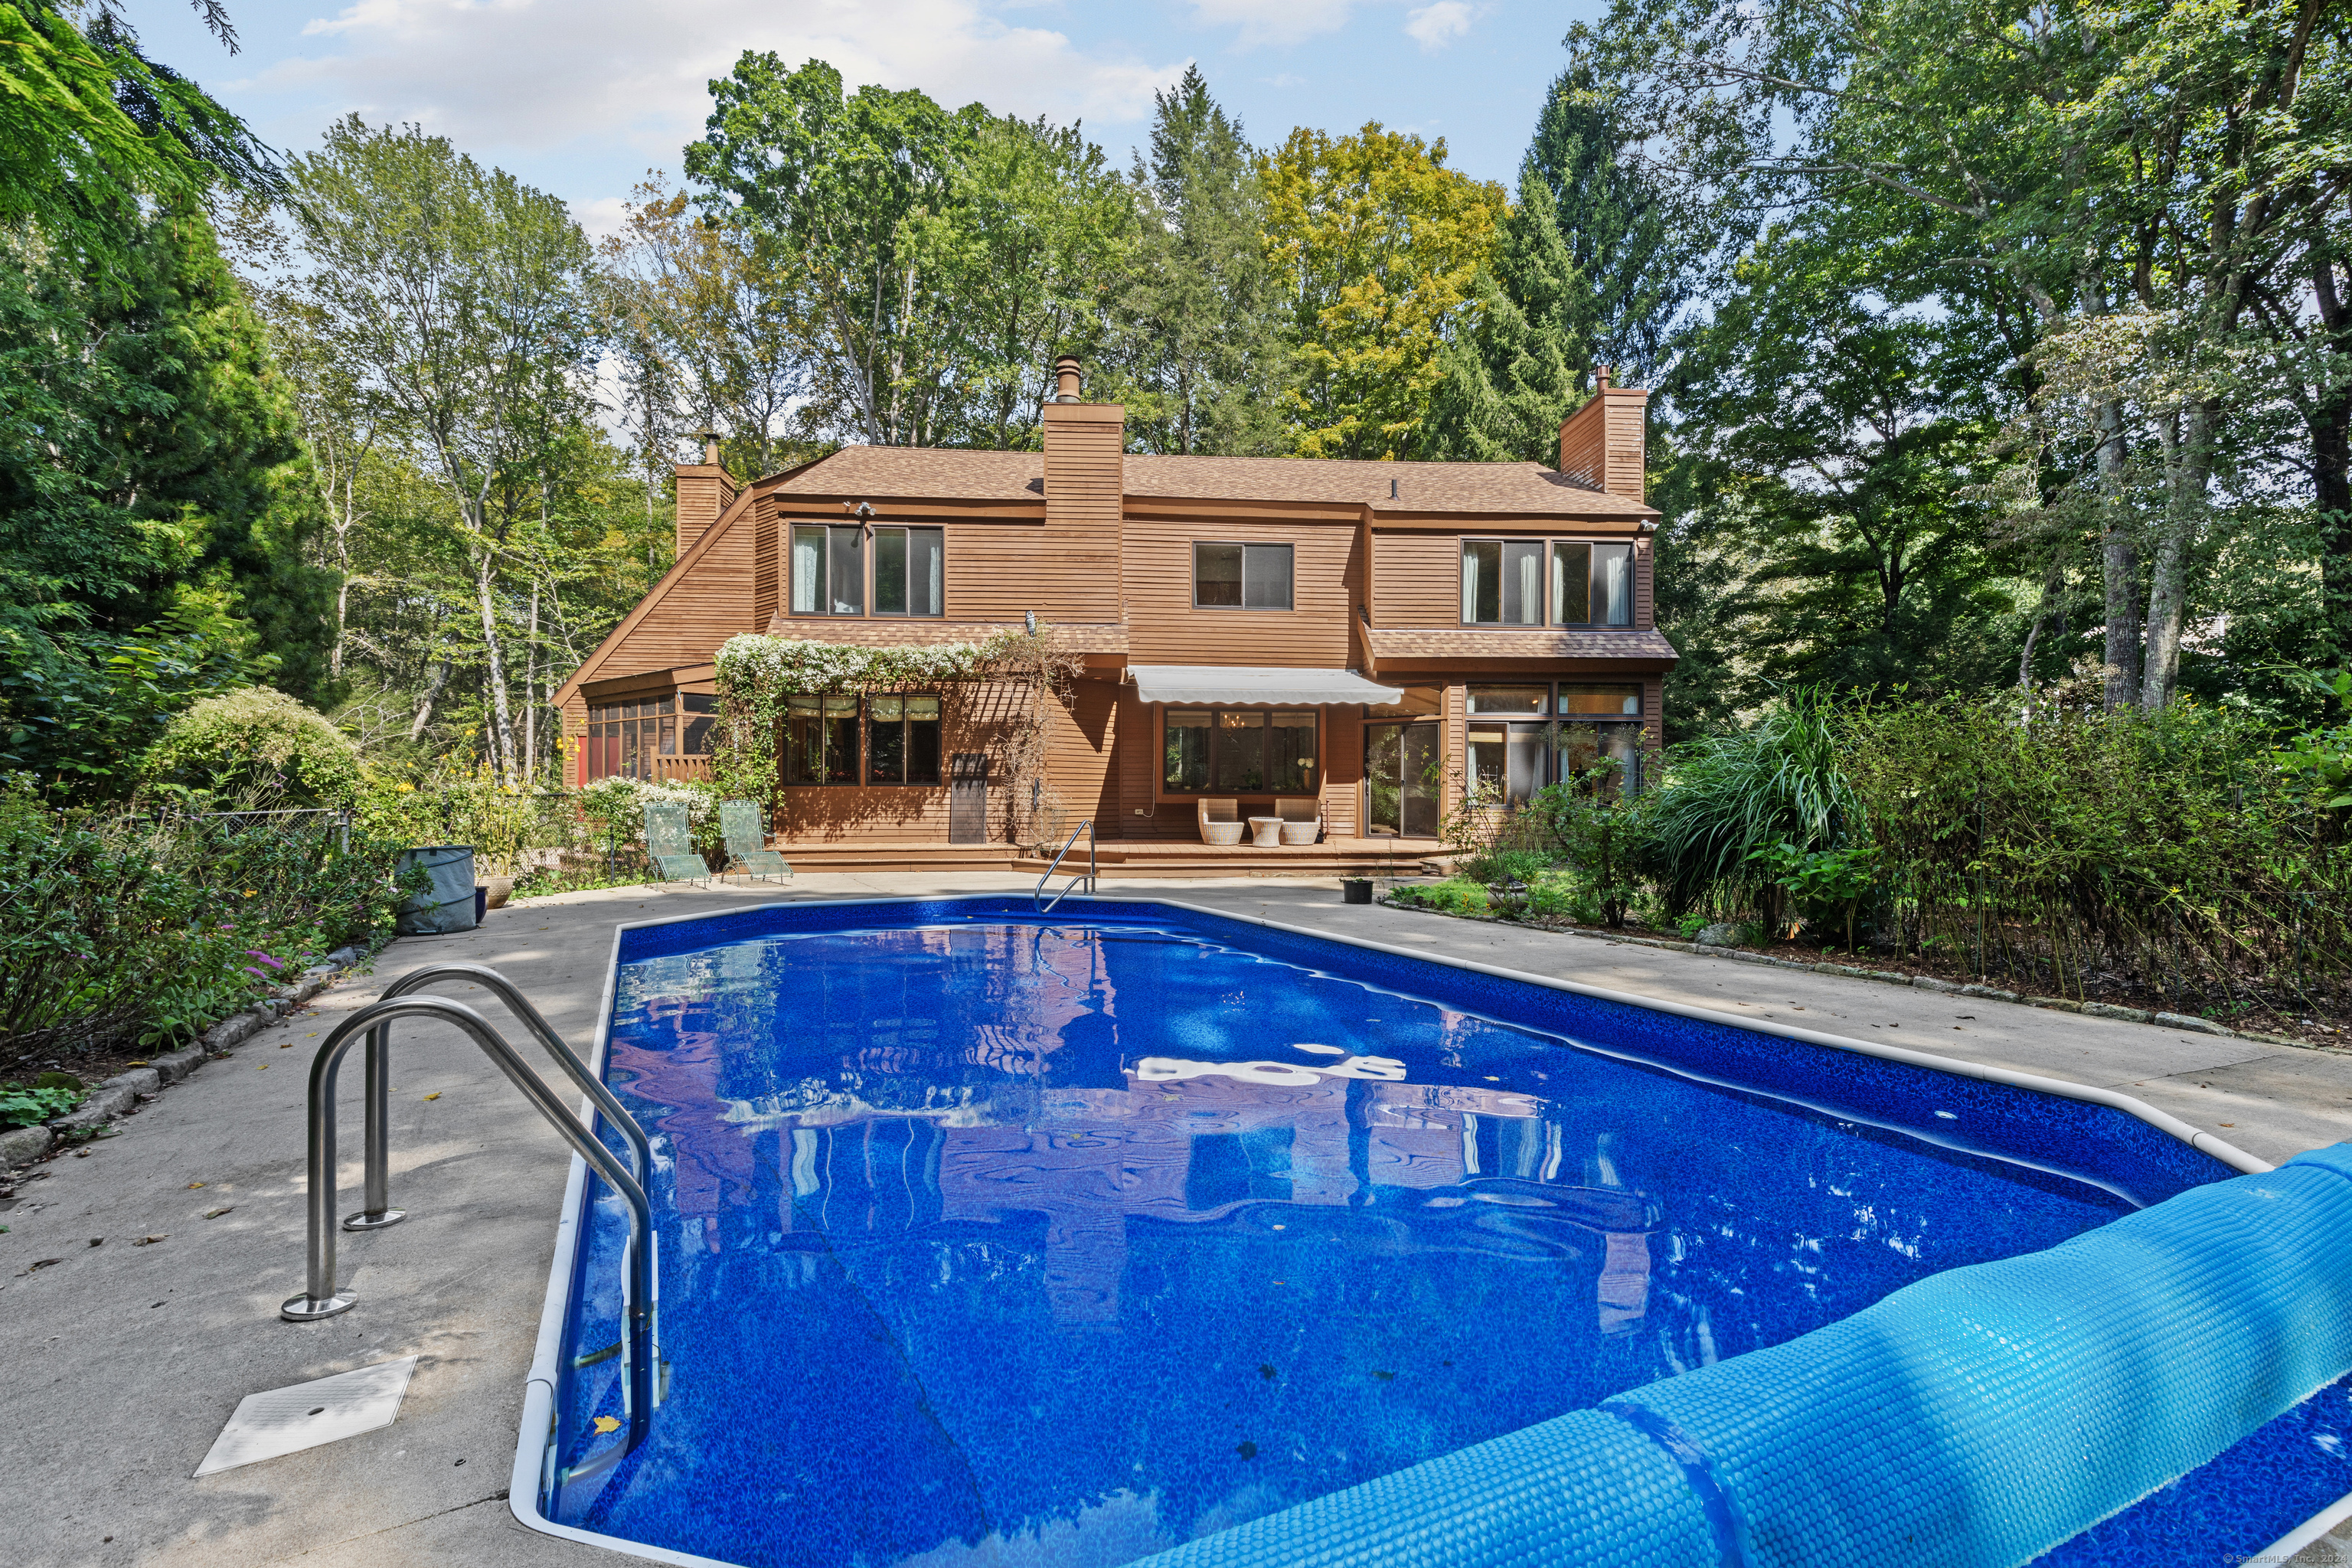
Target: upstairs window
x,y
1241,576
910,569
829,570
1502,582
1592,585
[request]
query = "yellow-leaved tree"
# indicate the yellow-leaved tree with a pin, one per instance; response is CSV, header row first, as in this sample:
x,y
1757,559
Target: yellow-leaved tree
x,y
1377,246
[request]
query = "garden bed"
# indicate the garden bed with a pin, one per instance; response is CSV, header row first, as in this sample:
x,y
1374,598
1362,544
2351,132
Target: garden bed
x,y
2326,1031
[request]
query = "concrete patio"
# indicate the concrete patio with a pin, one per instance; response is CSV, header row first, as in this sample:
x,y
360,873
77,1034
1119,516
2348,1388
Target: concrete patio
x,y
120,1362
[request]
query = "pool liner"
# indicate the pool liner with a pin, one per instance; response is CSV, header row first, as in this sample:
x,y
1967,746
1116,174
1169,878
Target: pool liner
x,y
1974,1419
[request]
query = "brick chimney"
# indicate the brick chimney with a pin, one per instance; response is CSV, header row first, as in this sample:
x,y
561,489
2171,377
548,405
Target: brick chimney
x,y
1604,444
1086,486
704,491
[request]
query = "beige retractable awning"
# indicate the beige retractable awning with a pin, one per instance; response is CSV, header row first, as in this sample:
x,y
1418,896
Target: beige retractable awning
x,y
1258,684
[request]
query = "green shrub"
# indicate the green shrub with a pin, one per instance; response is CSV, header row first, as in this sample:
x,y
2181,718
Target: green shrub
x,y
1456,896
29,1105
1726,797
256,737
135,924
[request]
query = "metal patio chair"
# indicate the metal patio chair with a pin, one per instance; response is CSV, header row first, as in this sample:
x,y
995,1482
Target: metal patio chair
x,y
669,844
747,855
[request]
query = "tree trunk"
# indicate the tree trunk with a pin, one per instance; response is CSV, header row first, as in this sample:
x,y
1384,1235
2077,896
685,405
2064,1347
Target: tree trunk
x,y
433,686
2189,462
530,695
494,658
2330,419
2119,566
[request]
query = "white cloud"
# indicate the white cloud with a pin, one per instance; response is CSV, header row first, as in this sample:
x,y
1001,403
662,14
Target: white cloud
x,y
1434,27
541,74
1272,21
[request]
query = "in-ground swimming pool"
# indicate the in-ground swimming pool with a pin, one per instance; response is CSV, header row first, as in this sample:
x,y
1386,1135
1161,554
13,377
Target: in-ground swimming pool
x,y
985,1238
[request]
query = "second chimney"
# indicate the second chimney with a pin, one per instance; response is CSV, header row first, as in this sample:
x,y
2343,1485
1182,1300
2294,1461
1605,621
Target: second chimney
x,y
1605,444
1086,484
705,490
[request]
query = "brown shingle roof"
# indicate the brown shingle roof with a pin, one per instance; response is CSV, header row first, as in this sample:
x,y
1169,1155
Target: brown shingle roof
x,y
925,472
1098,636
1408,644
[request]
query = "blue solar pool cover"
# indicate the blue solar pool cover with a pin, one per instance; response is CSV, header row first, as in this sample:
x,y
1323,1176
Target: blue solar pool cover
x,y
1983,1415
1980,1416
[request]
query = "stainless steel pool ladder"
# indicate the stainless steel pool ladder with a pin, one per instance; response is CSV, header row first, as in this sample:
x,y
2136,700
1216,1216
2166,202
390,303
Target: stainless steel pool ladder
x,y
640,1344
1045,905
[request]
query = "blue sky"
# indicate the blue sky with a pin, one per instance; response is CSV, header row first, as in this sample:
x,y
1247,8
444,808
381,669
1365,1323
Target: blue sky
x,y
580,96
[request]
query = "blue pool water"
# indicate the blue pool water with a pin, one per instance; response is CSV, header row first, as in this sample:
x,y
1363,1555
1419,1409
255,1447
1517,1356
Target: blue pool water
x,y
992,1240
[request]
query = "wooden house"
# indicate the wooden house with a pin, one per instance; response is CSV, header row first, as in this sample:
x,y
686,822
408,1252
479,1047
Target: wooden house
x,y
1376,638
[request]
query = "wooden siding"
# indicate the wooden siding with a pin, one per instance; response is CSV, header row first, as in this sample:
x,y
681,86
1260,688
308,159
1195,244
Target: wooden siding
x,y
686,621
767,550
1163,627
704,494
1080,743
1417,577
1604,444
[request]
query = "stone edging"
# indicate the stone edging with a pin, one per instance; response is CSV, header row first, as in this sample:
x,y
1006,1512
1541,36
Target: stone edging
x,y
120,1095
1885,976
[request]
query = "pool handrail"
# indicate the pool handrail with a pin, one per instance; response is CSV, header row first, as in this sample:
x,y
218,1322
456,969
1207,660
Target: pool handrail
x,y
376,1211
1046,906
640,1343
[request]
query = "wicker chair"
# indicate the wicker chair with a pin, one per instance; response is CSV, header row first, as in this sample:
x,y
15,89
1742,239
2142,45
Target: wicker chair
x,y
1302,818
1221,821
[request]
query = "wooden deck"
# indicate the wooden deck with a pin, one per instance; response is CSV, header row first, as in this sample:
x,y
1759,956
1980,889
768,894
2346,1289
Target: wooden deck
x,y
1141,858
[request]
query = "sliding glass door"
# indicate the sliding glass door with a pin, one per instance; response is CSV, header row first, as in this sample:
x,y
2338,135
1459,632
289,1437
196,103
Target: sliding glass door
x,y
1401,773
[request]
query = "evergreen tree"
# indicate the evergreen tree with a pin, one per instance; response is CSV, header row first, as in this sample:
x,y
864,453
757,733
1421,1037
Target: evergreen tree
x,y
153,500
1512,376
1197,357
1634,251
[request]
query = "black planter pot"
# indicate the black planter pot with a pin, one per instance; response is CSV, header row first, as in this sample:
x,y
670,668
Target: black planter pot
x,y
1355,889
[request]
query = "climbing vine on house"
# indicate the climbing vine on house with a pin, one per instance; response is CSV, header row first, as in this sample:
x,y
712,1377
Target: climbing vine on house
x,y
1014,674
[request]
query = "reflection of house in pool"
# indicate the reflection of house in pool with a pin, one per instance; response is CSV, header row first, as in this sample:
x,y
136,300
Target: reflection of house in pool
x,y
899,1113
1193,1150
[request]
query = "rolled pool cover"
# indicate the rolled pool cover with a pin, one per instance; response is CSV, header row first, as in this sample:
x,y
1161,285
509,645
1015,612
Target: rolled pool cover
x,y
1974,1419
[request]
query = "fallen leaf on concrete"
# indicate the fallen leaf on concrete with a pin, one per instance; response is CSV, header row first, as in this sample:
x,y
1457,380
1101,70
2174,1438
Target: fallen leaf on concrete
x,y
602,1423
151,1240
285,1044
263,1067
193,1186
435,1095
44,1263
215,1214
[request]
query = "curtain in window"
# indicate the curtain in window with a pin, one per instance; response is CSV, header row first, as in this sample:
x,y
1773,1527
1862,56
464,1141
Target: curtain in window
x,y
808,569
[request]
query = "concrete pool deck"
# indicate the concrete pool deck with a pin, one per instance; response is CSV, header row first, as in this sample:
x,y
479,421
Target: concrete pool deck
x,y
120,1362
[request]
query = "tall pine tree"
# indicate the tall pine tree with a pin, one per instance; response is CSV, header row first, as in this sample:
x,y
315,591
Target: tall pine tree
x,y
1512,377
1636,255
1198,361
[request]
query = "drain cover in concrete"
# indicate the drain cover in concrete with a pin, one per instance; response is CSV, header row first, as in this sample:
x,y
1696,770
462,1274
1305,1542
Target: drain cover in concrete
x,y
288,1420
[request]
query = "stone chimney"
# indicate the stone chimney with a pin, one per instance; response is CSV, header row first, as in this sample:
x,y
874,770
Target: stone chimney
x,y
704,491
1086,485
1605,443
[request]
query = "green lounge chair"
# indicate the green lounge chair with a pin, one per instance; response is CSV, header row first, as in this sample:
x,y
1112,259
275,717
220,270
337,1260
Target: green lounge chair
x,y
746,842
670,845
